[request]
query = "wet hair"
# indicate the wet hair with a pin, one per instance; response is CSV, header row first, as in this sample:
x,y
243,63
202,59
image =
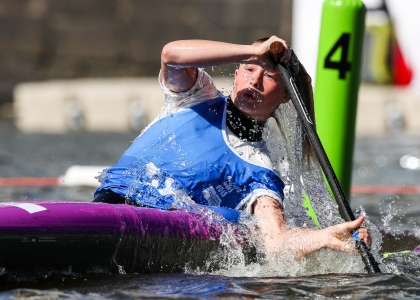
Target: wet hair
x,y
260,41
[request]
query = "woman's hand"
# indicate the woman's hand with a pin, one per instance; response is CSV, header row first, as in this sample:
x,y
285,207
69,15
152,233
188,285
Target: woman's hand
x,y
278,237
264,53
364,235
339,238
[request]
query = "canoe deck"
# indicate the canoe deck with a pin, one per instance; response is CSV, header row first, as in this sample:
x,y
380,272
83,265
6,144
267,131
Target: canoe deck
x,y
100,237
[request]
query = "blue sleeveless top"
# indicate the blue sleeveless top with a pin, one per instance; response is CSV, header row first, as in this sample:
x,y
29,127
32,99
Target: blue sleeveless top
x,y
186,154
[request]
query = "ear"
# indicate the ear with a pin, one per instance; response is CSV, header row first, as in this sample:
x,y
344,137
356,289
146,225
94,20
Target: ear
x,y
285,96
235,75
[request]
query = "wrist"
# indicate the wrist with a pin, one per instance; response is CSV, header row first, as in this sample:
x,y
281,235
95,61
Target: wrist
x,y
248,54
324,238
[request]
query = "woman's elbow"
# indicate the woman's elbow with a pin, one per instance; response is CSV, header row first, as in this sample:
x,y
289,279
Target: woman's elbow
x,y
168,56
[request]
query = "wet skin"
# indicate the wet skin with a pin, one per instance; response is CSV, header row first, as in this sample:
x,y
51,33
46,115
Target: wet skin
x,y
257,92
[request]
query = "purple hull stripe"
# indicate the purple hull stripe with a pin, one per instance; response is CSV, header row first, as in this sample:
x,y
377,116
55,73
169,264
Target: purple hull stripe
x,y
39,217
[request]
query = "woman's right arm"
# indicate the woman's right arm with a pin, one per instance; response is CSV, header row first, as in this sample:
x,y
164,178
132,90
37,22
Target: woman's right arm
x,y
180,59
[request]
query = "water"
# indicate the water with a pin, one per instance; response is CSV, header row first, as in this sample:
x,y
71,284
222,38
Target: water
x,y
369,155
38,155
184,286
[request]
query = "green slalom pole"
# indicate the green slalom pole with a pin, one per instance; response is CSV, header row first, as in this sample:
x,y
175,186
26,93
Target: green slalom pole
x,y
337,82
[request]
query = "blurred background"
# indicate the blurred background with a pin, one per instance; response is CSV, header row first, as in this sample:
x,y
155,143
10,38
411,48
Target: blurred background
x,y
61,39
74,50
78,81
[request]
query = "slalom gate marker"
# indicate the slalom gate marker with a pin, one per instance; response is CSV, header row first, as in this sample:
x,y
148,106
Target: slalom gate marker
x,y
337,82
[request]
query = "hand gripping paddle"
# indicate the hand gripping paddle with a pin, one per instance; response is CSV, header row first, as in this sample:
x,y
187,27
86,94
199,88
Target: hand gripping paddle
x,y
276,52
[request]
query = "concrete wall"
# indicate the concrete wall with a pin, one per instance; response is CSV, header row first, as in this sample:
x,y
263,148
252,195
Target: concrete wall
x,y
125,104
66,39
60,106
387,109
96,105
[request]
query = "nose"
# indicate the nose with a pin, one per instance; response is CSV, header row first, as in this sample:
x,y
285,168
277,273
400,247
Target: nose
x,y
257,79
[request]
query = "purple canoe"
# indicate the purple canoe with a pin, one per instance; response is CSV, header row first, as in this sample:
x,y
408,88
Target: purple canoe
x,y
99,237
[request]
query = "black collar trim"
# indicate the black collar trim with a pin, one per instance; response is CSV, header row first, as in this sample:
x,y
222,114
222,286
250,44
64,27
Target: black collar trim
x,y
241,125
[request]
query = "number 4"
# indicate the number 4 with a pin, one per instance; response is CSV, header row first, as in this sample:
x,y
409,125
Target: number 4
x,y
343,65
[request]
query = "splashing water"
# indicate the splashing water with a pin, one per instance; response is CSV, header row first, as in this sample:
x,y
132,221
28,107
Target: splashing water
x,y
302,176
387,216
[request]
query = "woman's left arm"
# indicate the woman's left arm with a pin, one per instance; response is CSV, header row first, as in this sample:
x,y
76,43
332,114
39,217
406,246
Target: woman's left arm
x,y
278,237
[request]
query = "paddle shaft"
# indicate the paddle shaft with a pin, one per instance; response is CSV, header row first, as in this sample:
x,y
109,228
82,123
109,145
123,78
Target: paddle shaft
x,y
276,50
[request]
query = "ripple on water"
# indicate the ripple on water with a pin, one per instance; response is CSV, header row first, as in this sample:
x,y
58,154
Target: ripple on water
x,y
187,286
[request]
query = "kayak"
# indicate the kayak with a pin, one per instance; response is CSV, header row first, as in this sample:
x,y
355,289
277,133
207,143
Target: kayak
x,y
115,238
83,237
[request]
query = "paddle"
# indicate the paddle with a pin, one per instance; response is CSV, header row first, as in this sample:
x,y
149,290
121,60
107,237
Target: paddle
x,y
276,52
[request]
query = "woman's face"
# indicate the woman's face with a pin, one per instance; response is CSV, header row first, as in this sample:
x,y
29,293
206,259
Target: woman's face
x,y
257,93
